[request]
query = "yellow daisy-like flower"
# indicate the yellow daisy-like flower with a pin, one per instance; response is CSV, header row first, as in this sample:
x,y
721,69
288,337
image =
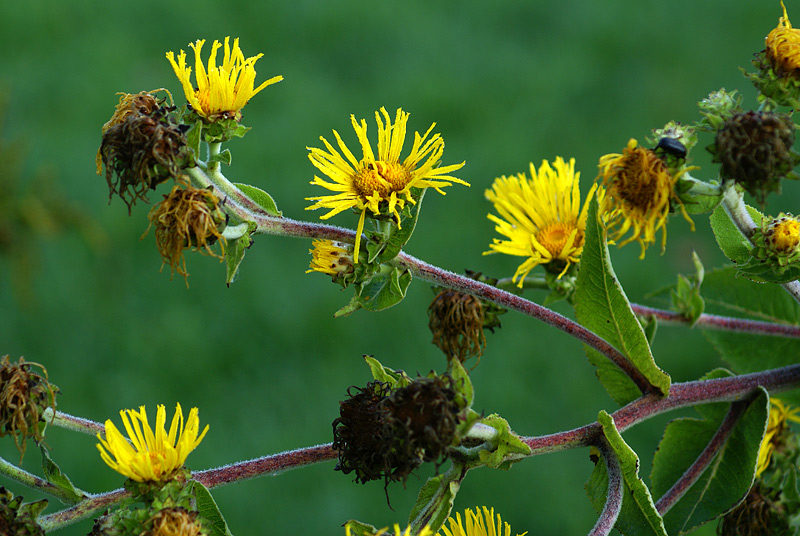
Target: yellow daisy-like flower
x,y
379,184
147,456
426,531
783,46
478,524
639,189
222,91
331,258
779,414
542,217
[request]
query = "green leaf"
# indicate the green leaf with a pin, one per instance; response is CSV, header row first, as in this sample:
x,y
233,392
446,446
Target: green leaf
x,y
53,474
395,378
638,516
435,500
234,254
728,295
728,478
732,242
602,306
193,137
209,510
223,157
261,198
357,528
400,236
382,292
462,382
510,448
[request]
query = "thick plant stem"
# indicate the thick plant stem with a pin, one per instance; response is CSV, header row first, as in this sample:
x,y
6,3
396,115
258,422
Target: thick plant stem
x,y
608,517
76,424
34,482
733,202
720,323
82,510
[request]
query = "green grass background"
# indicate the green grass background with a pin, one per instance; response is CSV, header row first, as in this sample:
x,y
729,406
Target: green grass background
x,y
264,360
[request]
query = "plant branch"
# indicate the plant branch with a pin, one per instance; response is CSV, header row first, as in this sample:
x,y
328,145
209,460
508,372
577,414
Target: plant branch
x,y
733,202
608,517
76,424
82,510
34,482
690,476
722,323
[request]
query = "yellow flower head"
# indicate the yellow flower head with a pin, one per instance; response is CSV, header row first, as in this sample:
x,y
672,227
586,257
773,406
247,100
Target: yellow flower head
x,y
147,456
542,217
381,184
783,234
639,189
779,414
331,258
783,46
221,91
426,531
478,524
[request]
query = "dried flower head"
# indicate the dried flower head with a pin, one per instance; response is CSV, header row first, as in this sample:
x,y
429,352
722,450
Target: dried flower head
x,y
24,396
640,191
541,217
142,151
379,184
456,321
755,150
187,218
221,91
756,515
478,523
148,455
384,433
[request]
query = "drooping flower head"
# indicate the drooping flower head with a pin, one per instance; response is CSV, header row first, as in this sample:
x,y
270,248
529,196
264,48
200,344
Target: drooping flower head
x,y
331,258
478,524
639,190
221,91
783,46
148,455
779,415
540,217
379,183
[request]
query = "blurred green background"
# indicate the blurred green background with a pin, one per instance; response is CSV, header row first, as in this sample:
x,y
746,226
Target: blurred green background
x,y
264,360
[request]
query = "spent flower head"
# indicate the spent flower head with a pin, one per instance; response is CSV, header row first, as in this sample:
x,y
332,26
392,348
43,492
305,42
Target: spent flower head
x,y
639,195
778,66
478,523
149,455
220,91
456,321
541,217
332,258
188,217
380,184
782,46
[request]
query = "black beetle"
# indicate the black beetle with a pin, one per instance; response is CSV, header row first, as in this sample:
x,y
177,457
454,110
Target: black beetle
x,y
672,146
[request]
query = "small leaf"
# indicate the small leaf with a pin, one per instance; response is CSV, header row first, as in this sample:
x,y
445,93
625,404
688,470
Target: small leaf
x,y
463,383
261,198
33,509
732,242
638,516
223,157
234,254
382,292
435,501
399,237
209,510
54,475
510,448
395,378
193,137
357,528
728,478
602,306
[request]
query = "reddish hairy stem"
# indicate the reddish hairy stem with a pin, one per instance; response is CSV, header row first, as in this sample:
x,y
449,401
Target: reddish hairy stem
x,y
722,323
608,517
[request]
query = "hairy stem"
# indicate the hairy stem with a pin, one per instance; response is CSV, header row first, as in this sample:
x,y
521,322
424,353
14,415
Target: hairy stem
x,y
76,424
32,481
721,323
690,476
82,510
608,517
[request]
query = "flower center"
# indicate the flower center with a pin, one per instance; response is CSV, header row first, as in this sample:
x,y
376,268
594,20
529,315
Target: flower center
x,y
642,176
554,237
381,177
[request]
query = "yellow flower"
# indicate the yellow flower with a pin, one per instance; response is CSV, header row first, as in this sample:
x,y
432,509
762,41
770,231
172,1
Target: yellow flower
x,y
426,531
783,46
639,189
478,524
222,91
379,184
779,414
331,258
149,456
542,217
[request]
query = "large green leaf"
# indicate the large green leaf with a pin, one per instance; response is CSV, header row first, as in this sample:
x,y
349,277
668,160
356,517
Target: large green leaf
x,y
602,306
638,516
209,510
730,474
435,500
729,295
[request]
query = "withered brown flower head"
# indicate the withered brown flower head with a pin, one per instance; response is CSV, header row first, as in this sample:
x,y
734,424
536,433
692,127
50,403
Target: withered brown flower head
x,y
17,518
24,396
387,434
757,515
142,151
187,218
755,150
176,522
456,321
